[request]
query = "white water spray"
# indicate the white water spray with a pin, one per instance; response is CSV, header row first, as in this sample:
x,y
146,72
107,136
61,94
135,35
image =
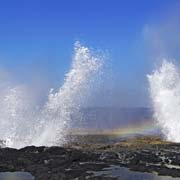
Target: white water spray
x,y
165,94
22,124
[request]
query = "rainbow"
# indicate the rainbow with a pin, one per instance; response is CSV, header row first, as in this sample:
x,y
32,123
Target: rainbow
x,y
145,127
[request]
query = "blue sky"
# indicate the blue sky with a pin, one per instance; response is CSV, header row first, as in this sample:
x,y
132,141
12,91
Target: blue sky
x,y
39,34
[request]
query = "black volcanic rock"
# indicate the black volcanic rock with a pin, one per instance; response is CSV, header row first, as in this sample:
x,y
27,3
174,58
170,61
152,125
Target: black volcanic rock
x,y
55,163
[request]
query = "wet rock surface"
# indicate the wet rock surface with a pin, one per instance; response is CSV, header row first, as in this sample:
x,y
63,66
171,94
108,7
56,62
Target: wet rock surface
x,y
79,161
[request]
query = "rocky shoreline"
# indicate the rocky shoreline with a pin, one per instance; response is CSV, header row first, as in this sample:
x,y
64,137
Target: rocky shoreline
x,y
78,161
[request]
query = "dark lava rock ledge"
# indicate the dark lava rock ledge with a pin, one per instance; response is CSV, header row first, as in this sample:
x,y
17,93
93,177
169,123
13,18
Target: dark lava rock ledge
x,y
78,161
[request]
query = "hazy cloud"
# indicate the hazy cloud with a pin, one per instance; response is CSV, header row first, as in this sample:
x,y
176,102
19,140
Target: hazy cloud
x,y
162,36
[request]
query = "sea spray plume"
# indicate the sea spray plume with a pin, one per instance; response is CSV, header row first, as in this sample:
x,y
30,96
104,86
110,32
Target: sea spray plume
x,y
15,113
23,122
165,94
57,115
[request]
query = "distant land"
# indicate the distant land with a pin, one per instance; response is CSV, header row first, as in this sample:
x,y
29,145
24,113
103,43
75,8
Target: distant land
x,y
113,117
114,120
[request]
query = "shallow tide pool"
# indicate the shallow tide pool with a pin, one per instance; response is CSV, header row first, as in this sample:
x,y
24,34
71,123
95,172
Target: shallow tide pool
x,y
126,174
16,176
